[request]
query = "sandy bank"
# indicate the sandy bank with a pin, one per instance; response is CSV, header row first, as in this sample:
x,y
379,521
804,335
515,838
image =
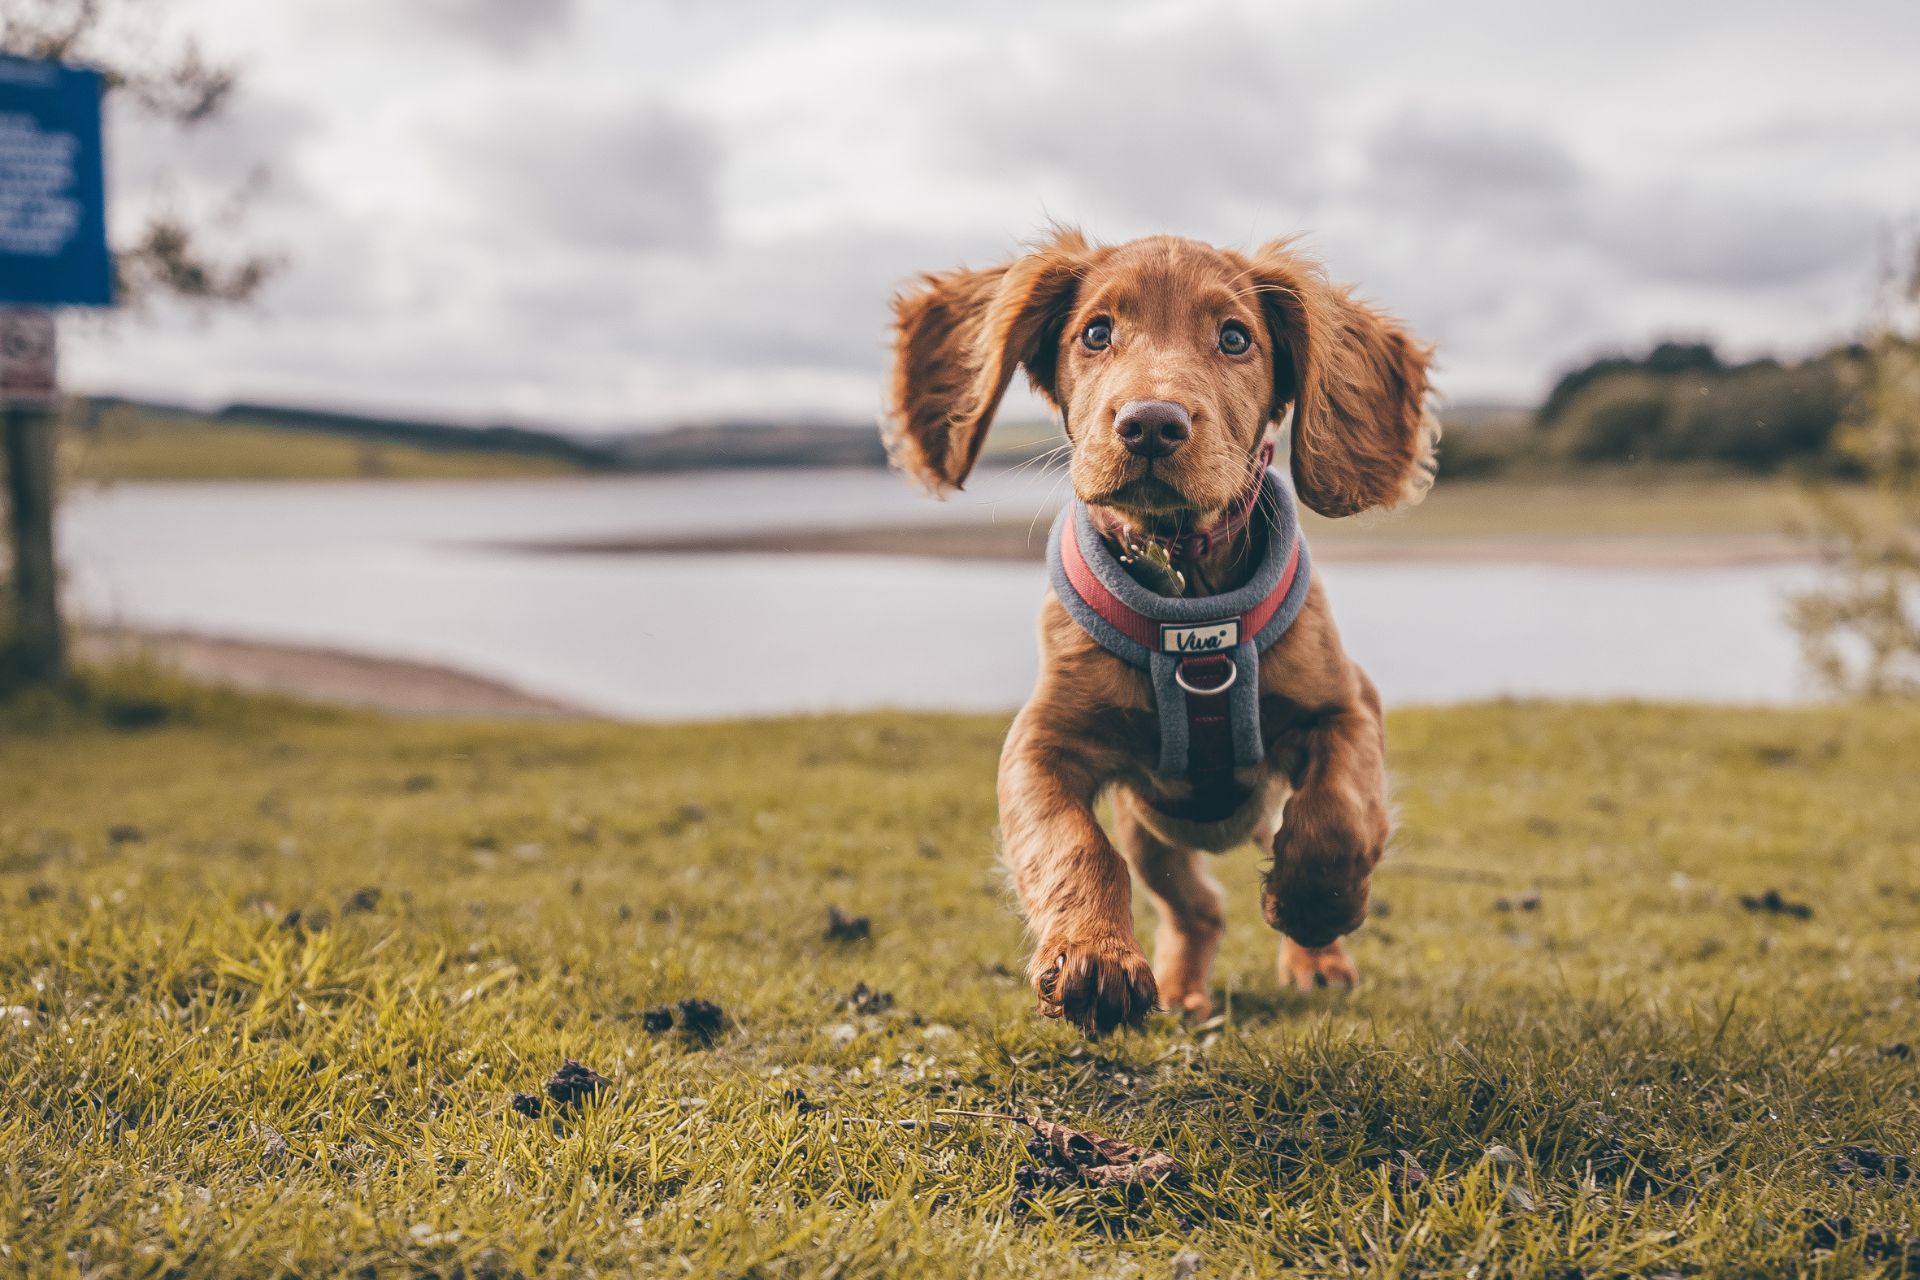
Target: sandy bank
x,y
333,676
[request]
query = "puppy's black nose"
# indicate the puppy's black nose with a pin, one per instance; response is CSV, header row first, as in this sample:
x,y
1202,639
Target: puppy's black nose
x,y
1152,428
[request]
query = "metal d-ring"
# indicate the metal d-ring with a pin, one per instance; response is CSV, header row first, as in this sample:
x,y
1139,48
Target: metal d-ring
x,y
1179,678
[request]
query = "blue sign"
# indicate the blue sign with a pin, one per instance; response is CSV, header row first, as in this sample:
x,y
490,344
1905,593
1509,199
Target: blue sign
x,y
53,208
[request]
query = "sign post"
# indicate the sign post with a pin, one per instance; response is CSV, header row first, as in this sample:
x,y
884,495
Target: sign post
x,y
53,252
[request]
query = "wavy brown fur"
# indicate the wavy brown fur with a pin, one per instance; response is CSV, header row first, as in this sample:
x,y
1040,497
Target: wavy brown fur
x,y
1357,386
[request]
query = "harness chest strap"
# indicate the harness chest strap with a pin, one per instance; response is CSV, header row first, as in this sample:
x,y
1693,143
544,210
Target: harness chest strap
x,y
1202,652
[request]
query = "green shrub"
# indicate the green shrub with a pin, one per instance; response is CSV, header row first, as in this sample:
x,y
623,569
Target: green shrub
x,y
1760,416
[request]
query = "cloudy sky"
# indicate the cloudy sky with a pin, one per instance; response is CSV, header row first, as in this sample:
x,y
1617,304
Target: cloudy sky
x,y
619,213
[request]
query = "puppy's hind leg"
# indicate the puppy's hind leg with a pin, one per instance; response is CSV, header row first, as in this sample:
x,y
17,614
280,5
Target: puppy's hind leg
x,y
1187,902
1308,967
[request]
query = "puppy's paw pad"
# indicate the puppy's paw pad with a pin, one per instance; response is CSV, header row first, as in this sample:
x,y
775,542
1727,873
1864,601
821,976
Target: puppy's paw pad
x,y
1316,968
1097,983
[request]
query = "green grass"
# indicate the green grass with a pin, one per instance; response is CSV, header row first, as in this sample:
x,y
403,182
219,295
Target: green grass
x,y
197,1088
1601,502
128,445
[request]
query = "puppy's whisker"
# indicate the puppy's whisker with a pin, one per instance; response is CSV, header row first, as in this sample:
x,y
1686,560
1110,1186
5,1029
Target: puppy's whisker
x,y
1046,507
1040,460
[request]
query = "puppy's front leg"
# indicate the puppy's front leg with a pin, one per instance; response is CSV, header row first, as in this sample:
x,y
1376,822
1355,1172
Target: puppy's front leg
x,y
1074,889
1331,835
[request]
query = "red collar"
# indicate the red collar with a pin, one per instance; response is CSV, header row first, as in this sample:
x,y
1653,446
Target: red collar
x,y
1176,548
1186,640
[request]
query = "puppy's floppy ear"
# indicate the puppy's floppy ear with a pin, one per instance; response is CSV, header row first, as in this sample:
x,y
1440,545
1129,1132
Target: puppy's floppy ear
x,y
957,339
1363,435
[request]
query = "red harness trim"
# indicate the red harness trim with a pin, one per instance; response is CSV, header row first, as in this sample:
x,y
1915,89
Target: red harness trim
x,y
1215,795
1137,626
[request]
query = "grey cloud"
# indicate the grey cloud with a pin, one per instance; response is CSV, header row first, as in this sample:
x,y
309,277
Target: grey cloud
x,y
819,300
1470,160
585,251
638,178
504,26
259,134
1193,128
816,301
1728,240
1510,189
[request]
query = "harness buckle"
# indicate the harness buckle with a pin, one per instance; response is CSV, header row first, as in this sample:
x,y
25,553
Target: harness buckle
x,y
1180,676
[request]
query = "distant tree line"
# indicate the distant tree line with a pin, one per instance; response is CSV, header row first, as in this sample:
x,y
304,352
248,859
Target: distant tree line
x,y
1682,403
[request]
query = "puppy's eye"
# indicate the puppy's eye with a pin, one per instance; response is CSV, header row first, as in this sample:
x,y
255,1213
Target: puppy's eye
x,y
1097,335
1234,338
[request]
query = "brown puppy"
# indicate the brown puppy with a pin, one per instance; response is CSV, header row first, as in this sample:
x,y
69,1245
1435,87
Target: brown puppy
x,y
1224,345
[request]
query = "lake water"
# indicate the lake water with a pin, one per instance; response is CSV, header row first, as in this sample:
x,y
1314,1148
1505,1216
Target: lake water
x,y
406,570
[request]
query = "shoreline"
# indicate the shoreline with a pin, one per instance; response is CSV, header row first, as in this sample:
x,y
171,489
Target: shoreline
x,y
366,680
1015,542
318,673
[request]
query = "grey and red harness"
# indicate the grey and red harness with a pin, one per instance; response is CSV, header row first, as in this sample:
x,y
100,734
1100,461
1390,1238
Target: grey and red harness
x,y
1201,652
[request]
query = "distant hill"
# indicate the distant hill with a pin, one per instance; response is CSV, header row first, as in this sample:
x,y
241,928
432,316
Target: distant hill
x,y
120,440
695,447
428,435
750,444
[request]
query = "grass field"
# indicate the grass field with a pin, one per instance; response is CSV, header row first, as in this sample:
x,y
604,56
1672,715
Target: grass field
x,y
1637,1076
129,445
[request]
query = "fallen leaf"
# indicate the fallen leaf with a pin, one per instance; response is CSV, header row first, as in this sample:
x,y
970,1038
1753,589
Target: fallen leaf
x,y
1405,1174
1081,1156
1504,1156
272,1142
1771,903
1030,1178
529,1105
842,927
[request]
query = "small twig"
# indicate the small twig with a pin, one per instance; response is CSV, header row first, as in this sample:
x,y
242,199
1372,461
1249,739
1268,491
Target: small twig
x,y
934,1125
179,1049
981,1115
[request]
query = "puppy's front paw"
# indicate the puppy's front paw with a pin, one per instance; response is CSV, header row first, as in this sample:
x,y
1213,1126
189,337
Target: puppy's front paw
x,y
1309,967
1095,983
1315,902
